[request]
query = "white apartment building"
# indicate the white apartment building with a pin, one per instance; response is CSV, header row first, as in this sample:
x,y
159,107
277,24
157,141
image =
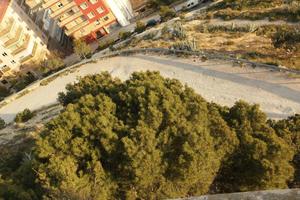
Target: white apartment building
x,y
122,10
21,40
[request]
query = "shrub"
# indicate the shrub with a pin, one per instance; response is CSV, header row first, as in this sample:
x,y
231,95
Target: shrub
x,y
286,37
4,92
166,13
82,49
186,45
124,35
140,27
104,45
24,116
2,124
178,31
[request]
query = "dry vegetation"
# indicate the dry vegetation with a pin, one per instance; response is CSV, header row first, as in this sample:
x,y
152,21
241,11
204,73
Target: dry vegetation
x,y
272,44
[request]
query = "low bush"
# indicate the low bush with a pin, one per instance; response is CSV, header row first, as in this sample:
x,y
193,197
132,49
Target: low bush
x,y
124,35
166,13
24,116
286,37
140,27
2,123
104,45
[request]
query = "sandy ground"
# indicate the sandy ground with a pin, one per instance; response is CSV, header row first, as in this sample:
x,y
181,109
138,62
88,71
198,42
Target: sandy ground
x,y
217,81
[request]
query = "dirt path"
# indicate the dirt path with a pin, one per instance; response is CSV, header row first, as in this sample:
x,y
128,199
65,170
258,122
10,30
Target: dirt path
x,y
215,80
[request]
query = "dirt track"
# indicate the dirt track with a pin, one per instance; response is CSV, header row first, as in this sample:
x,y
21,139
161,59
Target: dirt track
x,y
217,81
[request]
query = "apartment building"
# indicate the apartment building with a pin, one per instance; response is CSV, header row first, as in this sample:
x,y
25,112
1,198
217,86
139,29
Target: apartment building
x,y
21,40
87,19
122,10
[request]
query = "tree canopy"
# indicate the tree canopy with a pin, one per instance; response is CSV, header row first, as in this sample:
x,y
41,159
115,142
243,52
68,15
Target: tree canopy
x,y
151,137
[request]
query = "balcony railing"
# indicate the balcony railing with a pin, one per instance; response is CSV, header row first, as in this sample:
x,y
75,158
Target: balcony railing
x,y
6,29
69,19
33,3
27,58
23,47
16,37
75,28
63,9
48,3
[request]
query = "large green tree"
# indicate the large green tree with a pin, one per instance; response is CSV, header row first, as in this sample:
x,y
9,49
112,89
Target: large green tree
x,y
289,130
262,160
147,137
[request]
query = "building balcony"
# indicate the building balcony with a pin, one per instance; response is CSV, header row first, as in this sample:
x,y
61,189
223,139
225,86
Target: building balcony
x,y
6,28
63,9
16,38
23,46
75,28
48,3
32,55
69,19
33,3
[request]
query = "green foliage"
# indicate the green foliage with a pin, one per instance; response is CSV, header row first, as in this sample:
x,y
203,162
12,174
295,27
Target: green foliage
x,y
163,2
153,138
23,81
24,116
140,27
286,37
186,45
2,123
262,160
150,138
104,45
289,130
52,64
17,179
4,92
124,35
166,13
82,49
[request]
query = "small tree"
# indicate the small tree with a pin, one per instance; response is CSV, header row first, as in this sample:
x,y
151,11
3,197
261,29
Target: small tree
x,y
82,49
124,35
52,63
24,116
140,27
2,123
166,13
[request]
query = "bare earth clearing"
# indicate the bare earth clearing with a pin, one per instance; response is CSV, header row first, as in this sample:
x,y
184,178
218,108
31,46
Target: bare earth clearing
x,y
215,80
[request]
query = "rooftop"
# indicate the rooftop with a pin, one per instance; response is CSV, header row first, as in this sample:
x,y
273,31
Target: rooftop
x,y
3,7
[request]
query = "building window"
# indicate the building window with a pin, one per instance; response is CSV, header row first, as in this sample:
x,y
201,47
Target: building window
x,y
13,62
97,22
100,10
106,18
93,1
4,54
4,81
59,5
83,6
91,15
71,12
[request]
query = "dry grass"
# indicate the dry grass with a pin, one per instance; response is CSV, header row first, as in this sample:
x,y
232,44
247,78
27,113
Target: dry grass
x,y
252,45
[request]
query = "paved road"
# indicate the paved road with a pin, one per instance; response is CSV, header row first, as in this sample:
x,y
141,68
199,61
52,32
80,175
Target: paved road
x,y
216,81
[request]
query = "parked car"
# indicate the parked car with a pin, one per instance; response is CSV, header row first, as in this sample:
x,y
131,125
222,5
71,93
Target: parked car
x,y
152,22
